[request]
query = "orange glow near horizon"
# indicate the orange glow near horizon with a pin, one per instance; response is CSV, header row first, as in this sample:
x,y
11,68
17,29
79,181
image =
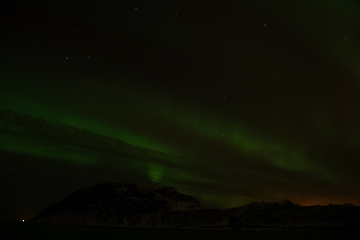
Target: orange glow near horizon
x,y
326,201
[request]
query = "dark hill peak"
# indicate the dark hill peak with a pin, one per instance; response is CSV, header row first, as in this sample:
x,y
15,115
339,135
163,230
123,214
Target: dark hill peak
x,y
260,206
161,197
137,205
115,204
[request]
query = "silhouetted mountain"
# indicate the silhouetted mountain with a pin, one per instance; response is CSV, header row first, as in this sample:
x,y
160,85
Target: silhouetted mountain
x,y
34,131
135,205
118,204
259,206
345,216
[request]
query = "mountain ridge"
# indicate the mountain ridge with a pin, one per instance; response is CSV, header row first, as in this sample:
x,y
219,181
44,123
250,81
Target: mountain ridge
x,y
142,206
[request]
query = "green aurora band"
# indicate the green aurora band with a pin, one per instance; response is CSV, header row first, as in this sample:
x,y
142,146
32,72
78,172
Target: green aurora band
x,y
248,143
172,138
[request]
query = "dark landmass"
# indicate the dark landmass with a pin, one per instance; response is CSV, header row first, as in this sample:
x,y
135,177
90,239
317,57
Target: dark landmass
x,y
140,206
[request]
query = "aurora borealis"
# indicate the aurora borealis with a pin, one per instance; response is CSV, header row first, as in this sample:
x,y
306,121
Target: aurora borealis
x,y
230,102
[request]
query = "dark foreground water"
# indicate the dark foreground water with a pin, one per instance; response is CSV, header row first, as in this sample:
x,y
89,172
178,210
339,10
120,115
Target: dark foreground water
x,y
43,231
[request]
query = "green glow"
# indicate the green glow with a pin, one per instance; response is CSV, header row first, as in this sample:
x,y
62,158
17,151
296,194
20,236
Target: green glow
x,y
238,136
295,161
325,29
113,132
20,105
43,150
170,176
155,172
248,142
206,134
25,106
202,125
212,128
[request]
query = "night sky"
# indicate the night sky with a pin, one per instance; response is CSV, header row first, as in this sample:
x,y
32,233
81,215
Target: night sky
x,y
228,101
